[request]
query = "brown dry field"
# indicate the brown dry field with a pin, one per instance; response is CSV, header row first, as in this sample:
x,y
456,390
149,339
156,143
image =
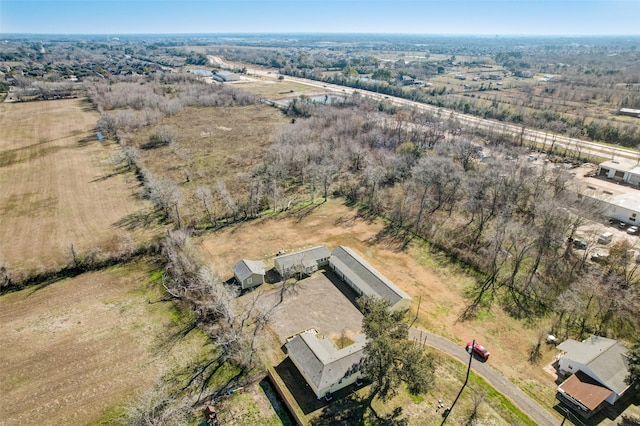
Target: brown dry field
x,y
74,349
222,144
55,187
416,270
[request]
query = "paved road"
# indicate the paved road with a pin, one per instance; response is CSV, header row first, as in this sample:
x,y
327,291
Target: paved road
x,y
560,143
498,381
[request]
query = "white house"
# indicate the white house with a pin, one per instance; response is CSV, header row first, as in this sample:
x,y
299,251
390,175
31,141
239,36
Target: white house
x,y
364,279
324,367
249,273
598,368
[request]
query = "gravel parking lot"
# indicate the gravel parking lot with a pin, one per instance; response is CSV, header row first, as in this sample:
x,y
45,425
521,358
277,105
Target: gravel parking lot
x,y
321,302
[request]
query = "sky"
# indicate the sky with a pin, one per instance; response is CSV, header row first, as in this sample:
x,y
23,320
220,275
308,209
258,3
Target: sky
x,y
474,17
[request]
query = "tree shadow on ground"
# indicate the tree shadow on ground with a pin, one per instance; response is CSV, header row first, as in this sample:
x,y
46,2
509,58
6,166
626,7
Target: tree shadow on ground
x,y
119,171
305,211
354,410
138,220
393,238
276,402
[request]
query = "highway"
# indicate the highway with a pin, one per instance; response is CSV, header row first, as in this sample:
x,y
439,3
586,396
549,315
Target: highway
x,y
560,143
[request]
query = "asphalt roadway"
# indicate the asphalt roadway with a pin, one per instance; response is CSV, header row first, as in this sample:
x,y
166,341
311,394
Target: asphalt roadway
x,y
560,142
536,412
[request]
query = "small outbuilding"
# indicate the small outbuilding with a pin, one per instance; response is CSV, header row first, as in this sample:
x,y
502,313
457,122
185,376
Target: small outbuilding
x,y
249,273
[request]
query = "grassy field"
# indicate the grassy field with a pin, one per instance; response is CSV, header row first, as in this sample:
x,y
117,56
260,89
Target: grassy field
x,y
278,89
56,188
215,144
73,350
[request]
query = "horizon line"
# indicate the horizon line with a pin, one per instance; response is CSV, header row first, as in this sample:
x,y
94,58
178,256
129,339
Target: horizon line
x,y
317,33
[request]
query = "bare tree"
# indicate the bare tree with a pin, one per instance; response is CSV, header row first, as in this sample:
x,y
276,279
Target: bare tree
x,y
205,196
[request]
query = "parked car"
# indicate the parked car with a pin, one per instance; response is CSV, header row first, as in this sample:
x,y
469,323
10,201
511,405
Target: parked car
x,y
633,230
605,238
622,225
579,244
599,257
478,349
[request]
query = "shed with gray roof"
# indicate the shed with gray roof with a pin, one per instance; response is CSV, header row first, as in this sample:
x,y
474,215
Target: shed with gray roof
x,y
249,273
364,279
326,368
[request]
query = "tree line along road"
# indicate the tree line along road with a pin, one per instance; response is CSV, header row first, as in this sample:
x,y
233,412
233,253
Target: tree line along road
x,y
529,135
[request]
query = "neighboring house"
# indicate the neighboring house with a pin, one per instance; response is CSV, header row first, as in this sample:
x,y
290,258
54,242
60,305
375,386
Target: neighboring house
x,y
249,273
407,80
598,367
304,262
326,368
365,279
621,170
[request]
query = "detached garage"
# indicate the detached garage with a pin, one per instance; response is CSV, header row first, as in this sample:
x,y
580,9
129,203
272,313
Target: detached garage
x,y
249,273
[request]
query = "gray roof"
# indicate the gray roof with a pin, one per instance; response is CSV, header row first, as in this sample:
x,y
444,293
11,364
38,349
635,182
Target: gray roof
x,y
303,257
606,358
245,268
366,277
227,76
629,201
622,164
322,362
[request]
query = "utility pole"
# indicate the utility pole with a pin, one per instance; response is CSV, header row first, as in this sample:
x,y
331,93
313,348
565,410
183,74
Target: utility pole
x,y
448,410
566,412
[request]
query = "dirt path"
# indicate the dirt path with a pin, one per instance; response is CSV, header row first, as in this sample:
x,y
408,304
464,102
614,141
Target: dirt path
x,y
497,380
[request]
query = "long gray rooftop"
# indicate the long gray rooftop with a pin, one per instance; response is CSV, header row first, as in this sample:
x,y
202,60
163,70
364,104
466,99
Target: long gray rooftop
x,y
366,277
304,257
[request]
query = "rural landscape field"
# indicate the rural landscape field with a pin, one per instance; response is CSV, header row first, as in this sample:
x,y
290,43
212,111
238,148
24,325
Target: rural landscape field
x,y
162,198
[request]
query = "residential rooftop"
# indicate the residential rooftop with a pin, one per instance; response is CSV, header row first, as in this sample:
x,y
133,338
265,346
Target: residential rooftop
x,y
366,277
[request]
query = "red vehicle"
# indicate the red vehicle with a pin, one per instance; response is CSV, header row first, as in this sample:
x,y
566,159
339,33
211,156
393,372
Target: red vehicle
x,y
479,350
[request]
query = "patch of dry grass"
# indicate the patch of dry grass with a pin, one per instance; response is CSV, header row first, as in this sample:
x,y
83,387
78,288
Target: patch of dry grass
x,y
74,349
56,188
213,144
